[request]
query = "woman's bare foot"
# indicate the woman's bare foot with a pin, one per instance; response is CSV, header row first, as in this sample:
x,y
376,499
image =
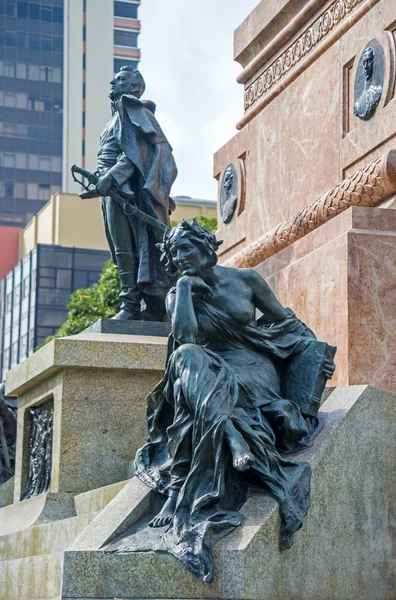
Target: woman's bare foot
x,y
242,458
165,515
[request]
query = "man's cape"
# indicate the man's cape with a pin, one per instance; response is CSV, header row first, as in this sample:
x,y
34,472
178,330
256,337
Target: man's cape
x,y
144,143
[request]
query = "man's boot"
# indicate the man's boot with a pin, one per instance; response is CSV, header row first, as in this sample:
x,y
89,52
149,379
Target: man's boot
x,y
130,295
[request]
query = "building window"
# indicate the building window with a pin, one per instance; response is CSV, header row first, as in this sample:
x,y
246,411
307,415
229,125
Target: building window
x,y
25,287
18,100
33,162
10,38
21,100
34,42
44,192
21,70
17,295
46,43
64,279
34,11
56,75
9,69
23,10
20,190
14,353
8,160
125,38
10,9
46,13
34,72
9,188
20,160
38,192
6,358
21,39
35,103
9,100
123,62
56,164
126,10
23,349
44,163
45,73
32,191
8,304
57,14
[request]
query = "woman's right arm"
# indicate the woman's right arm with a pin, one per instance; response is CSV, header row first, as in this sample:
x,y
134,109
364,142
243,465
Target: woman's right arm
x,y
180,307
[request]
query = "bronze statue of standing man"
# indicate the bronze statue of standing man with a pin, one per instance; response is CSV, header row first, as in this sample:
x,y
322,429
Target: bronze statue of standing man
x,y
135,161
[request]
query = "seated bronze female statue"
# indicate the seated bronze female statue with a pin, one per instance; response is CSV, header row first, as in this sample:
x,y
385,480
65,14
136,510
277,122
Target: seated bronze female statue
x,y
218,423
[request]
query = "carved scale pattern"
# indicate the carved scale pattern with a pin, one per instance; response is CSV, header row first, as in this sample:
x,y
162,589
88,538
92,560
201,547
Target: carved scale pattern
x,y
333,15
367,187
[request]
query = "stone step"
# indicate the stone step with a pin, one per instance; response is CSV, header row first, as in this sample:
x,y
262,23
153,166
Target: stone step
x,y
96,500
41,539
33,578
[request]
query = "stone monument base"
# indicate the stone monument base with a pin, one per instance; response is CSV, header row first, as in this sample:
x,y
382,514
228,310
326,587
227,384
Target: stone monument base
x,y
54,549
98,385
345,550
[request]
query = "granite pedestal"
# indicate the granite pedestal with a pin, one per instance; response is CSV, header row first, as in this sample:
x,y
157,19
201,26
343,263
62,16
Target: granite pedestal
x,y
98,383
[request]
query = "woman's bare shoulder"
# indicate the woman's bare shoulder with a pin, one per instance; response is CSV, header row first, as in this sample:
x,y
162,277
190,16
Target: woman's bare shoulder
x,y
234,272
248,276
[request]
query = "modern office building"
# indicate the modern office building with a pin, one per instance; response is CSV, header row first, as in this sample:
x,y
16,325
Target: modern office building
x,y
34,296
56,60
63,248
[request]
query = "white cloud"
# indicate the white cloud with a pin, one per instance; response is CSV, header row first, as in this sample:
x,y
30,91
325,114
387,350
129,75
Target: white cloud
x,y
187,62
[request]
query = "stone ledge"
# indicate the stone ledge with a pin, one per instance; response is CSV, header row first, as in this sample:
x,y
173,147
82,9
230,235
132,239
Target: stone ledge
x,y
36,510
141,328
269,26
89,350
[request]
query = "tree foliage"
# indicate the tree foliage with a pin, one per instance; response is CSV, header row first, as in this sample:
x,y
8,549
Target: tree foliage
x,y
208,222
87,305
101,301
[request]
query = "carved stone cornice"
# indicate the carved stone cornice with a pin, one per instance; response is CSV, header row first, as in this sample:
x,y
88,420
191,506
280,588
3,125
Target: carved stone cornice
x,y
337,18
369,186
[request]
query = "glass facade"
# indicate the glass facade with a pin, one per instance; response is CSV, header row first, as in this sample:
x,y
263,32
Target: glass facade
x,y
31,92
122,62
127,10
125,38
34,296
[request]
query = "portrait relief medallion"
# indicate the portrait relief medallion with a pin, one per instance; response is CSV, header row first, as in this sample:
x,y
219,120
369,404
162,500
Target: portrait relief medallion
x,y
369,81
229,193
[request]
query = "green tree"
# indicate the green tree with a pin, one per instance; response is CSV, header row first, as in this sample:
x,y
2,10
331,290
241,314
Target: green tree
x,y
88,305
208,222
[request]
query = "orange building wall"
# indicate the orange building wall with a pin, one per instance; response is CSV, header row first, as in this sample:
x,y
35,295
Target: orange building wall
x,y
8,248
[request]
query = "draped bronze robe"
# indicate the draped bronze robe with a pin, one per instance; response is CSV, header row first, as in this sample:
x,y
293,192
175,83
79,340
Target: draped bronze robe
x,y
187,449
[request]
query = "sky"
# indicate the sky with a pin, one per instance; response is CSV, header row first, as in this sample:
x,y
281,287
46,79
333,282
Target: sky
x,y
187,63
